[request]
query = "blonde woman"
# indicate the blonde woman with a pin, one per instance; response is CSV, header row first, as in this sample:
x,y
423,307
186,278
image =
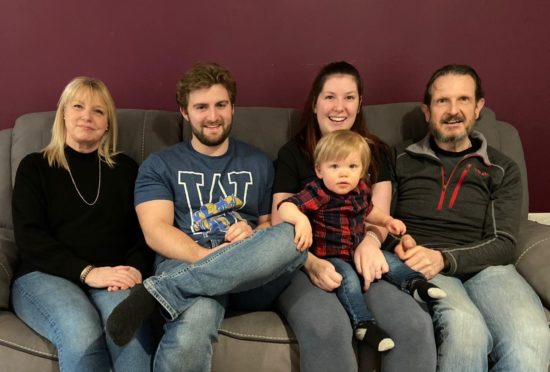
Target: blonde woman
x,y
79,241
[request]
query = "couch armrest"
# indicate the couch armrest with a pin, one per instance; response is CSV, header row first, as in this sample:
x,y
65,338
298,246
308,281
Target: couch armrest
x,y
533,258
8,253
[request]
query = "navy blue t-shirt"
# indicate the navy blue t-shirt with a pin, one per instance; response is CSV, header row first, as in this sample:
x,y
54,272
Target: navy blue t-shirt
x,y
210,193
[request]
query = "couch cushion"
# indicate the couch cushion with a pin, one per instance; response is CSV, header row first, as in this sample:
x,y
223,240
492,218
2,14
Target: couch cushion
x,y
31,133
243,325
263,338
142,132
6,224
505,138
395,123
8,253
533,258
257,341
23,341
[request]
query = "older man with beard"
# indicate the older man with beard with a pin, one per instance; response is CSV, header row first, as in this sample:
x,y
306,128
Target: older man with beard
x,y
460,200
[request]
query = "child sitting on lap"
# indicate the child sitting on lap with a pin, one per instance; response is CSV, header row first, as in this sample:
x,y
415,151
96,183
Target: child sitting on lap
x,y
338,204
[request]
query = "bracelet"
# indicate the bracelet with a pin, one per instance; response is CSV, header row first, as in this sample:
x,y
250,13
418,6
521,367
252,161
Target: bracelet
x,y
374,237
85,272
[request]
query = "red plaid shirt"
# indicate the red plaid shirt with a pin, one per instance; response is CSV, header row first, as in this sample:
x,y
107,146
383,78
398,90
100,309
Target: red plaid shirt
x,y
338,221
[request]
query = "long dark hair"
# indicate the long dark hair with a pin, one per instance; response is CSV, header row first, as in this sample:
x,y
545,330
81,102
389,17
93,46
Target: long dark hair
x,y
309,132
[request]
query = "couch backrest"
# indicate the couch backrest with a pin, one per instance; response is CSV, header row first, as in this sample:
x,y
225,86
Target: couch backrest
x,y
146,131
6,232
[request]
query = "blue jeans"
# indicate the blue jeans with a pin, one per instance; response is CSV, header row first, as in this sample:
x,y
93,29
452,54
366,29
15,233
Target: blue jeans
x,y
244,265
186,344
495,313
194,296
350,292
73,320
325,337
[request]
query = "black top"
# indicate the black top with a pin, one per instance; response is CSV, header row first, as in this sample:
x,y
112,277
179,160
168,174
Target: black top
x,y
57,233
295,169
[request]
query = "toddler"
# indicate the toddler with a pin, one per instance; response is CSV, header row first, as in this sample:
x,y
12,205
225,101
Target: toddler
x,y
338,204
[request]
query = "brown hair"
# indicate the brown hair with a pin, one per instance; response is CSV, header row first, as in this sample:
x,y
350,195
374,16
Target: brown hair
x,y
309,133
453,70
204,75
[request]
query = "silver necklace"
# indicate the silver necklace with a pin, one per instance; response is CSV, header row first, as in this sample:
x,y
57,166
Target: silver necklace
x,y
98,183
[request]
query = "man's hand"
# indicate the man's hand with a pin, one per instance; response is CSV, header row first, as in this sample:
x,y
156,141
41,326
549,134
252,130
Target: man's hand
x,y
238,231
424,260
322,273
369,262
303,236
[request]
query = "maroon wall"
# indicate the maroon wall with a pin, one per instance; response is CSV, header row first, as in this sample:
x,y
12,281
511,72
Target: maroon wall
x,y
140,48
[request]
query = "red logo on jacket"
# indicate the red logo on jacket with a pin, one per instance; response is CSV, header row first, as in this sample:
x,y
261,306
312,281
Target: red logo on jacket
x,y
481,173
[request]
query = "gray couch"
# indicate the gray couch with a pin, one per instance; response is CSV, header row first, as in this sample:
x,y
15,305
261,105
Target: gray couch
x,y
259,341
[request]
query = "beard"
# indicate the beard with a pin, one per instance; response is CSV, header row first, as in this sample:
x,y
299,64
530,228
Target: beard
x,y
440,136
211,141
453,138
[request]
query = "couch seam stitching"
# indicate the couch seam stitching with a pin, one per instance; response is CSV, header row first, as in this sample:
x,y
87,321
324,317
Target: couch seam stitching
x,y
38,352
529,248
238,334
5,270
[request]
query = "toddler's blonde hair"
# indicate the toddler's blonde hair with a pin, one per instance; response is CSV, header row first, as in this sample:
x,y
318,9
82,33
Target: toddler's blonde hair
x,y
339,144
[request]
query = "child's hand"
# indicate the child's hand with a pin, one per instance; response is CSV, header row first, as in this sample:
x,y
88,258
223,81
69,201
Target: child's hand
x,y
396,227
302,233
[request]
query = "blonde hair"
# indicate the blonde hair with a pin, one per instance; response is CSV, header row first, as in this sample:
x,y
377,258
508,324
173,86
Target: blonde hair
x,y
55,150
338,145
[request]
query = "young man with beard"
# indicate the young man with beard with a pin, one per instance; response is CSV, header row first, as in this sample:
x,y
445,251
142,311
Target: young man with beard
x,y
204,207
460,200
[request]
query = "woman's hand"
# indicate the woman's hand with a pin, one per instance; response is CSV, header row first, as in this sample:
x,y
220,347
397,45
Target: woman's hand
x,y
113,278
369,261
322,273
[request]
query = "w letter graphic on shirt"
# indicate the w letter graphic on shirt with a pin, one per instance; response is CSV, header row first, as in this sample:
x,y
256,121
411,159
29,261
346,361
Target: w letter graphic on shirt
x,y
213,200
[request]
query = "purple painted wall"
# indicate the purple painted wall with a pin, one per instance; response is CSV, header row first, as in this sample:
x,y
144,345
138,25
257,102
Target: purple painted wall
x,y
141,47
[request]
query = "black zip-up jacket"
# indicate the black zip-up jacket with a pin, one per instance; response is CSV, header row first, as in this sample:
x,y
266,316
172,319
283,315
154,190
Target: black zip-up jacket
x,y
471,215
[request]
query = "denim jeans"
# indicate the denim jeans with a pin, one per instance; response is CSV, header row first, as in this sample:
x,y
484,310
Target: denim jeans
x,y
73,320
324,333
244,265
495,313
195,296
350,292
186,344
187,341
